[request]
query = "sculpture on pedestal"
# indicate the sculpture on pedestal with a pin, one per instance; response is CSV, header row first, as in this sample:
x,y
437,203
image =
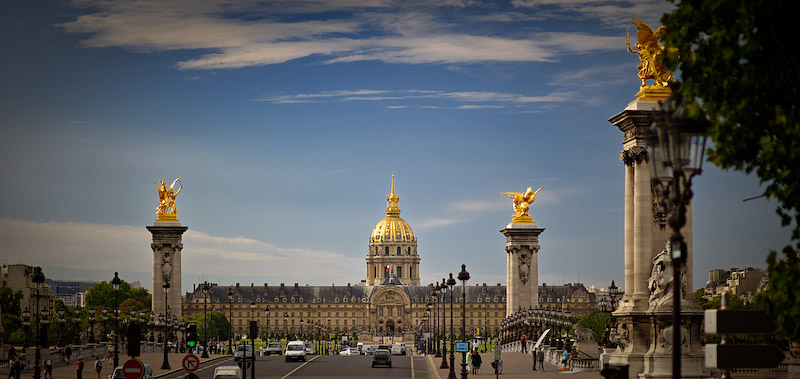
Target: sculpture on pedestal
x,y
166,210
661,281
522,203
649,51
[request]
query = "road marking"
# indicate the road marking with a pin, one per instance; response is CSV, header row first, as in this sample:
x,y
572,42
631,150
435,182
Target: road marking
x,y
299,367
412,368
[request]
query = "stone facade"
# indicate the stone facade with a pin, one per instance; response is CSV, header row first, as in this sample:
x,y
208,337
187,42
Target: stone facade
x,y
19,277
522,265
167,246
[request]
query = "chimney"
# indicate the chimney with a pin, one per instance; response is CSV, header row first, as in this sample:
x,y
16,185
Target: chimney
x,y
282,293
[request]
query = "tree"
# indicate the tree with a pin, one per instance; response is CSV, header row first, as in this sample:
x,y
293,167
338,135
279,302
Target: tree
x,y
740,71
218,325
596,321
12,322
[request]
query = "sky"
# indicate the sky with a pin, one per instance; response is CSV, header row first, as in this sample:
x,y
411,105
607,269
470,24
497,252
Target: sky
x,y
286,120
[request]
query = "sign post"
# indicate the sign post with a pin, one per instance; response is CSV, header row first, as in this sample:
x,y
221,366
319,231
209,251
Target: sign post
x,y
133,369
190,363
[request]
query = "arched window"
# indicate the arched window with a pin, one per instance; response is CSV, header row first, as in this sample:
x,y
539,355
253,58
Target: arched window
x,y
386,250
399,252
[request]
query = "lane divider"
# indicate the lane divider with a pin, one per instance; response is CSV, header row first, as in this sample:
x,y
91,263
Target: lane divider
x,y
299,367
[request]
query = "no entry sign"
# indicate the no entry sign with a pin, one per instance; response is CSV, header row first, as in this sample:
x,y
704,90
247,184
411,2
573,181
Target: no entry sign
x,y
190,362
133,369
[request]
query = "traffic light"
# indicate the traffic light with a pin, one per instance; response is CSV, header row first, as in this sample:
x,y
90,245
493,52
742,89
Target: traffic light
x,y
191,335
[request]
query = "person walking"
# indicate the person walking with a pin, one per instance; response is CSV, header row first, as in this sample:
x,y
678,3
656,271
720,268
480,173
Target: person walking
x,y
469,361
98,366
79,367
48,368
12,368
498,359
533,353
476,363
524,342
540,357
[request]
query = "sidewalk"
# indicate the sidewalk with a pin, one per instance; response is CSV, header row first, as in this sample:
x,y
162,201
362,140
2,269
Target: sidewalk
x,y
515,366
62,371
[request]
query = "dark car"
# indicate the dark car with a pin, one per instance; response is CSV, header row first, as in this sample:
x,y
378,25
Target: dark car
x,y
382,357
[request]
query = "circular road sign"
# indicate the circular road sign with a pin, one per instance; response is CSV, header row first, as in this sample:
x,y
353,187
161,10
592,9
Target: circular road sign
x,y
133,369
190,362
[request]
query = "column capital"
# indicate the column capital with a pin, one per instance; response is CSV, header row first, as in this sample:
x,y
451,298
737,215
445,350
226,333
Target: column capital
x,y
634,155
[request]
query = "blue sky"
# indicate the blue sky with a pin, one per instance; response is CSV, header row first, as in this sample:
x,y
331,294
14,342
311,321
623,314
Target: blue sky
x,y
286,120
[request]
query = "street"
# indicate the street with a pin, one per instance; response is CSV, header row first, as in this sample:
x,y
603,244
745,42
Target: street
x,y
321,366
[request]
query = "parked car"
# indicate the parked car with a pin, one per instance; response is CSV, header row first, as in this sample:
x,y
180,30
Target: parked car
x,y
243,351
310,349
384,347
227,372
396,350
403,348
370,350
117,374
346,351
360,348
273,348
381,357
295,350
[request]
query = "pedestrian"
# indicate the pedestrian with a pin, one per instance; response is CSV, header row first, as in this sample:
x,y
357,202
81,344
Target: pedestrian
x,y
469,360
68,353
524,342
19,365
533,353
565,359
476,363
48,368
79,367
540,357
98,366
12,368
498,359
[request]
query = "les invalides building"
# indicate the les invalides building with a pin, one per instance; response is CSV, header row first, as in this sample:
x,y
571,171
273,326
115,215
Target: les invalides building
x,y
391,302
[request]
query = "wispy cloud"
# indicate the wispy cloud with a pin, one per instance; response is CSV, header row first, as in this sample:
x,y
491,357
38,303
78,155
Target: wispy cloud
x,y
438,222
108,248
475,100
280,31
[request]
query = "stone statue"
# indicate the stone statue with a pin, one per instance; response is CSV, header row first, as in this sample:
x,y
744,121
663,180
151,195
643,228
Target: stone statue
x,y
661,280
583,334
166,210
522,203
649,51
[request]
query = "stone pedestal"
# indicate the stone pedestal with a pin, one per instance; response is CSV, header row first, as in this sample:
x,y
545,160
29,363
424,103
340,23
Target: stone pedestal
x,y
167,245
522,265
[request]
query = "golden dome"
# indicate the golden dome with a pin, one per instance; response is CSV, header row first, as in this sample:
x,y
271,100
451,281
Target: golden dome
x,y
392,228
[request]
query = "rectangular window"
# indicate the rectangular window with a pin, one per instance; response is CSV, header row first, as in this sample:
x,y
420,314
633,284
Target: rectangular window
x,y
399,272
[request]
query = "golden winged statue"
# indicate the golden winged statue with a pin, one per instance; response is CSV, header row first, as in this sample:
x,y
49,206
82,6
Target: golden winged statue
x,y
522,204
649,51
166,210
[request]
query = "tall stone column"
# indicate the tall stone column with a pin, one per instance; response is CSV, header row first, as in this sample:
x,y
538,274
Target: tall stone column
x,y
522,265
167,245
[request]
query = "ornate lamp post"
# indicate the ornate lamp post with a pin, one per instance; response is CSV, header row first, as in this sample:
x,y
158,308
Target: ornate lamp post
x,y
62,321
104,317
92,315
463,276
286,325
26,326
435,323
115,283
443,290
252,341
165,362
77,340
230,321
38,279
452,375
266,316
677,157
206,287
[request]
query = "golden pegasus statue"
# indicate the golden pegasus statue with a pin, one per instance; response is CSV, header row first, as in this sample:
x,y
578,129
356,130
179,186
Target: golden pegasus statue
x,y
166,210
649,51
522,204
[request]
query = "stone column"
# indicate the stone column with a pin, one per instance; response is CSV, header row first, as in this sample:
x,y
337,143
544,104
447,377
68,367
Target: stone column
x,y
522,270
167,245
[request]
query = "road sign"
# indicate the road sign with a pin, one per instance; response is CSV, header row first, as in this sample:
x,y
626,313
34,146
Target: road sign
x,y
726,321
190,362
133,369
742,356
462,347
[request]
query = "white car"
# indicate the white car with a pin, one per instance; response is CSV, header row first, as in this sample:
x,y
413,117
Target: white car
x,y
397,350
310,349
346,351
117,374
245,351
295,350
227,372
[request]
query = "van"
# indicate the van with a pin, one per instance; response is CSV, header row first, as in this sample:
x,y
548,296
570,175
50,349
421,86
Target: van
x,y
295,350
227,372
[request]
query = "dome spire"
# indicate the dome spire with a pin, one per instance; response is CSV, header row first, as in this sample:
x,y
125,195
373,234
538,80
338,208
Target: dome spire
x,y
392,200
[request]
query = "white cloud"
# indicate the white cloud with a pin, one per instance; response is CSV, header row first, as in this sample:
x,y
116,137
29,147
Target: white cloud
x,y
109,248
438,222
271,33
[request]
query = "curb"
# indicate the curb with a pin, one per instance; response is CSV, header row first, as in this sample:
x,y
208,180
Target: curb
x,y
181,369
434,370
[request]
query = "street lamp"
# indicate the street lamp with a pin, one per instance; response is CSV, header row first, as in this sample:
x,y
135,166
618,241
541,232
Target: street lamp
x,y
252,341
677,157
26,325
463,276
77,340
92,316
443,288
115,283
62,321
266,316
286,325
435,323
165,363
452,375
38,279
206,287
230,321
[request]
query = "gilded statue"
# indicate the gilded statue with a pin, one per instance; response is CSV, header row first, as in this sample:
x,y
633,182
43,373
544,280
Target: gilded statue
x,y
166,210
522,204
649,51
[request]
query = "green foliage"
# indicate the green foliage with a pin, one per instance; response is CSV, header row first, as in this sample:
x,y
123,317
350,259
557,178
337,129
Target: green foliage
x,y
218,325
12,322
103,295
596,321
740,71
